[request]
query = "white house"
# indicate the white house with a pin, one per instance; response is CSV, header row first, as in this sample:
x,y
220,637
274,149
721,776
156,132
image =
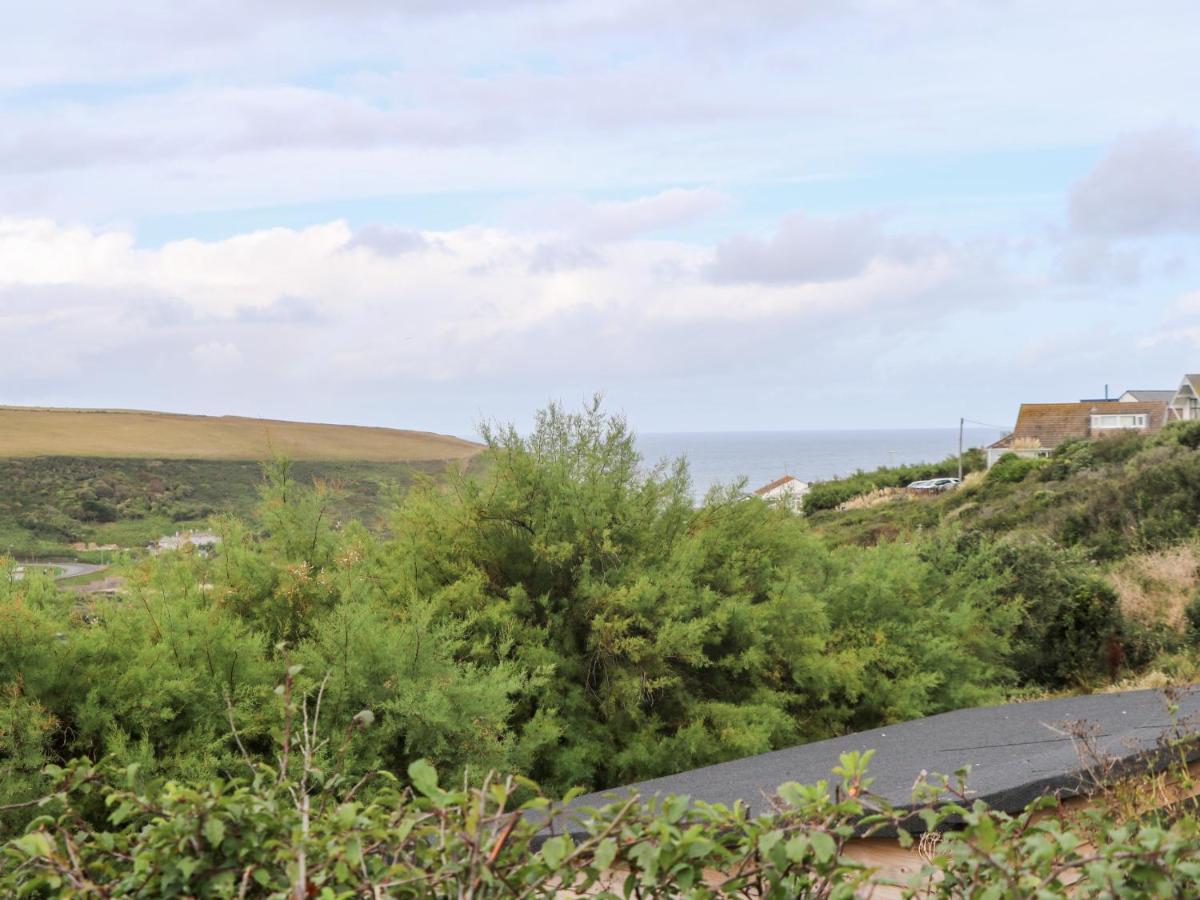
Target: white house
x,y
1186,402
205,542
787,491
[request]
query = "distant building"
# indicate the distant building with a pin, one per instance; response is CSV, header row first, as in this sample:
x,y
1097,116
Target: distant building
x,y
1147,396
204,542
1186,402
1043,426
787,491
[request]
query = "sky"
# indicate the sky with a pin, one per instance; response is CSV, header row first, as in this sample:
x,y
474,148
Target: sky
x,y
762,215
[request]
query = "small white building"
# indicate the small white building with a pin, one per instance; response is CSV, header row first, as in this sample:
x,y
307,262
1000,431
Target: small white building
x,y
203,541
787,491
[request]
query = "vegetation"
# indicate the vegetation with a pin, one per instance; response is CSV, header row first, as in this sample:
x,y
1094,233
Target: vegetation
x,y
1109,498
832,494
128,478
301,829
564,615
49,503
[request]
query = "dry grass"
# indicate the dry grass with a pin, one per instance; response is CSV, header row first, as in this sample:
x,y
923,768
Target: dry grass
x,y
29,432
1151,680
1155,587
875,498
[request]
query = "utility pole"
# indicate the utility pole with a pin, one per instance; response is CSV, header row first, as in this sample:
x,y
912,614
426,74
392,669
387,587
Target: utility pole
x,y
960,432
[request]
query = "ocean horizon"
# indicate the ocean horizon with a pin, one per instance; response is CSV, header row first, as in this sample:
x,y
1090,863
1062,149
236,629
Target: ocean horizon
x,y
726,457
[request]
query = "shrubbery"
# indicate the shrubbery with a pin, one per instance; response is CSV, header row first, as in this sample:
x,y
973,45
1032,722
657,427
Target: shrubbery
x,y
833,493
564,615
1010,468
303,829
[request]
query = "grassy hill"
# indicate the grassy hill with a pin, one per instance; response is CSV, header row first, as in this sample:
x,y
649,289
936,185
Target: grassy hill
x,y
127,478
1126,508
129,434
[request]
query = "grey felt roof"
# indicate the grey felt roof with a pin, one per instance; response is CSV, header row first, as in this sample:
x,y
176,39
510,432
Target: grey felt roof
x,y
1016,752
1147,396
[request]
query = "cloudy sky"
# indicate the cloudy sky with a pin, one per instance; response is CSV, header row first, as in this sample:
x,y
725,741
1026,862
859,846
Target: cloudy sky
x,y
769,214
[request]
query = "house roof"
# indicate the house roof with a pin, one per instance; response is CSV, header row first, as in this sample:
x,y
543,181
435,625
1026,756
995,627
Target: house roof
x,y
1052,423
777,483
1194,381
1017,752
1148,396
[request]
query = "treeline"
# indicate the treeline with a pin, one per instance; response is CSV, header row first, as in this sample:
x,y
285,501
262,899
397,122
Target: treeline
x,y
561,613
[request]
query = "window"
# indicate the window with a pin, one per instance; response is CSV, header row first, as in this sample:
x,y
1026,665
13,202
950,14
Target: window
x,y
1119,421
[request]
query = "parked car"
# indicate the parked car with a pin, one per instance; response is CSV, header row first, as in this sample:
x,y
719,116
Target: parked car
x,y
934,485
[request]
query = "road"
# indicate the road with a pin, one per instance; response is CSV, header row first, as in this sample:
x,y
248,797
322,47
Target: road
x,y
65,569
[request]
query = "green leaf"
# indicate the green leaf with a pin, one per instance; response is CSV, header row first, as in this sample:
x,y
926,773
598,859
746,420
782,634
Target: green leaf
x,y
214,831
424,778
824,846
555,850
354,853
674,808
796,848
34,844
187,866
605,853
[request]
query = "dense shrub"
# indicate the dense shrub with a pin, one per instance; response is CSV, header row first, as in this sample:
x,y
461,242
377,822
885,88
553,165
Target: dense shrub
x,y
1010,468
305,831
1191,614
1069,618
564,614
1186,434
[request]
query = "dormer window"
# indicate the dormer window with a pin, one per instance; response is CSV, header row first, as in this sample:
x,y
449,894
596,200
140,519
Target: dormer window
x,y
1119,421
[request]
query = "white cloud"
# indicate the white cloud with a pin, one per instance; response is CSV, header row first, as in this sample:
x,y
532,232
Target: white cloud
x,y
619,220
218,355
1097,261
282,302
1187,305
1148,184
802,249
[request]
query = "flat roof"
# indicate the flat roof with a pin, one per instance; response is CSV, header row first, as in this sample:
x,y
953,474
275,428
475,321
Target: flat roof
x,y
1017,752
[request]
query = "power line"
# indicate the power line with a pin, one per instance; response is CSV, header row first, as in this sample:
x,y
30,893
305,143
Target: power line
x,y
989,425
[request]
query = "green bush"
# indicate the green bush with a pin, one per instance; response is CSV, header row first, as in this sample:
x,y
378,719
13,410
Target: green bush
x,y
1191,614
1186,434
1069,617
1010,468
308,832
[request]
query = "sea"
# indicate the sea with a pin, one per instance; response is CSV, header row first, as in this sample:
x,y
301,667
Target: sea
x,y
724,457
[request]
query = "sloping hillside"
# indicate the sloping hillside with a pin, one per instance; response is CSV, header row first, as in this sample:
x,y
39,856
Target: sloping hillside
x,y
26,432
126,478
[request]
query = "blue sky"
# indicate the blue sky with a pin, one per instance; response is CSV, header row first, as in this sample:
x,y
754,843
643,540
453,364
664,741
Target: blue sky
x,y
761,215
